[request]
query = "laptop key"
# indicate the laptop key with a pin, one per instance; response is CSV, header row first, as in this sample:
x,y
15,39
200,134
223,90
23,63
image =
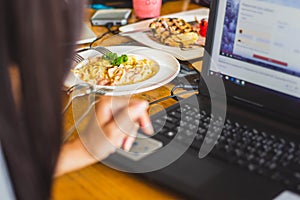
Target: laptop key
x,y
169,125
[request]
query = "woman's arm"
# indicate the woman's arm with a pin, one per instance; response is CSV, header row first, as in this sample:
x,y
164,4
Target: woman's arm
x,y
119,120
73,156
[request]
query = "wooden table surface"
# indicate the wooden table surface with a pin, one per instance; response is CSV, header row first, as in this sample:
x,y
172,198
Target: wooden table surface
x,y
101,182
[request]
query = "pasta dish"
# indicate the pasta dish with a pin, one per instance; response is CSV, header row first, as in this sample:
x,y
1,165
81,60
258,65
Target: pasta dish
x,y
99,71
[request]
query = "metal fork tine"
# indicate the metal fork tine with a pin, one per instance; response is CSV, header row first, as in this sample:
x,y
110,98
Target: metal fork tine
x,y
78,58
80,89
102,50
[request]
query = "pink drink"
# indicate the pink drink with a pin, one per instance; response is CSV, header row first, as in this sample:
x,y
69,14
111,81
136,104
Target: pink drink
x,y
147,8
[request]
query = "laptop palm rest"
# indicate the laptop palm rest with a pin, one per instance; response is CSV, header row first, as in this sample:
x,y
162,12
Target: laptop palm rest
x,y
209,178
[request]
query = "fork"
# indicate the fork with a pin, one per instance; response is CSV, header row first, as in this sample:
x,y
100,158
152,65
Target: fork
x,y
102,50
85,89
78,58
94,93
79,120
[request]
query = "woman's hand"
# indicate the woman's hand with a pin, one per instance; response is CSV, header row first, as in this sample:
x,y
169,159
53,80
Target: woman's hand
x,y
120,119
117,121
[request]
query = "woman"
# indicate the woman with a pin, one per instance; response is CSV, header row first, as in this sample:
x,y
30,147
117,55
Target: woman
x,y
36,44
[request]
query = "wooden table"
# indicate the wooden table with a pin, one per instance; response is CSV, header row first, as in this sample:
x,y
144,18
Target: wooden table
x,y
101,182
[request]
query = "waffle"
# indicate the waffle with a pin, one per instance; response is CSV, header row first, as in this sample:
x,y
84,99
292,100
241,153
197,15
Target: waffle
x,y
174,32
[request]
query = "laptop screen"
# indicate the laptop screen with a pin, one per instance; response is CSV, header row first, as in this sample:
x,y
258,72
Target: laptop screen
x,y
257,43
254,46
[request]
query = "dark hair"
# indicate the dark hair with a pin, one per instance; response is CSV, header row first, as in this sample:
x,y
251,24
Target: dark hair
x,y
36,37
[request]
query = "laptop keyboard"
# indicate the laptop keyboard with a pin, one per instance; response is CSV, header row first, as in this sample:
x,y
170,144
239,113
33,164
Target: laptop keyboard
x,y
259,152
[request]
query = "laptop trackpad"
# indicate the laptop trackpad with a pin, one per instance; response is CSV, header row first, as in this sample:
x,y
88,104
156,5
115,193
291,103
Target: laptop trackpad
x,y
190,170
209,178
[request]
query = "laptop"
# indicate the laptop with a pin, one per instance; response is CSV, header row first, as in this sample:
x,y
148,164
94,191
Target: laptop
x,y
251,70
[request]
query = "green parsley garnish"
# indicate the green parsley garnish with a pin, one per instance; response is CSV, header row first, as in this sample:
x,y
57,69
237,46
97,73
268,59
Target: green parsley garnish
x,y
115,59
119,60
110,56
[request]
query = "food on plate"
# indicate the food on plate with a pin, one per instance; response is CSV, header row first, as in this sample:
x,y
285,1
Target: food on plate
x,y
112,70
174,32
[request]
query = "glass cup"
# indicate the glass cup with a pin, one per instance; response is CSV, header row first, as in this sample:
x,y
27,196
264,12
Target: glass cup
x,y
146,8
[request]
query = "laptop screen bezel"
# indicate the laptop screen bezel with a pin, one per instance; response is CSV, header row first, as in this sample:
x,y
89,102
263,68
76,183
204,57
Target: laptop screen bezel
x,y
266,98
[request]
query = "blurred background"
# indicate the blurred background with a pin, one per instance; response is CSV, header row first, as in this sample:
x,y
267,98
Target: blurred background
x,y
128,3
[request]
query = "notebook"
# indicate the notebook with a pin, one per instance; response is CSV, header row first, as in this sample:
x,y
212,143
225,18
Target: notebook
x,y
239,138
87,35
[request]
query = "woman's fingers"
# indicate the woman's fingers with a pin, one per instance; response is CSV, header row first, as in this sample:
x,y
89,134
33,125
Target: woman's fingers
x,y
122,129
135,115
142,117
145,123
128,143
107,106
118,137
120,119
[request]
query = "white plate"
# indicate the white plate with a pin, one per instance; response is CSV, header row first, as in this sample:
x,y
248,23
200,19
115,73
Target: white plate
x,y
143,37
168,69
